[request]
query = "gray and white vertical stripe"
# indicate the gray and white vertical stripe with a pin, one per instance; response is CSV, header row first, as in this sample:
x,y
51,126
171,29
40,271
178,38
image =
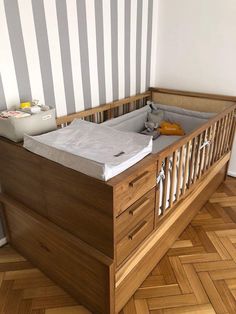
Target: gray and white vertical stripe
x,y
76,54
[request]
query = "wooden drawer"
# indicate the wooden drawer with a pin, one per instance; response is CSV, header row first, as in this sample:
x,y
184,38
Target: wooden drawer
x,y
134,214
133,187
67,260
127,244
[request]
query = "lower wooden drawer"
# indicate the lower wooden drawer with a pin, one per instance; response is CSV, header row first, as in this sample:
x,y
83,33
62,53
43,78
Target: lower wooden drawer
x,y
71,263
130,242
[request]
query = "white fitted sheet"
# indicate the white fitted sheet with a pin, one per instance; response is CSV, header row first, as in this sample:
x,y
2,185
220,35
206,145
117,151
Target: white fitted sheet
x,y
91,148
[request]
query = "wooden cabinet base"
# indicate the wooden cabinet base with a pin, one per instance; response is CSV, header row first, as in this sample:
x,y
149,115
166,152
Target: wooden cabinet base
x,y
82,271
134,272
88,274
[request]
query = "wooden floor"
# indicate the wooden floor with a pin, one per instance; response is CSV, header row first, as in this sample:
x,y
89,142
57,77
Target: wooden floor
x,y
197,275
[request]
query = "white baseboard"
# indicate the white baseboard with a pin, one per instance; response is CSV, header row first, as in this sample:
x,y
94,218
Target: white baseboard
x,y
232,174
3,241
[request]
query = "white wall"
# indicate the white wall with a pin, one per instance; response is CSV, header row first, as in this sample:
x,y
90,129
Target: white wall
x,y
197,48
75,55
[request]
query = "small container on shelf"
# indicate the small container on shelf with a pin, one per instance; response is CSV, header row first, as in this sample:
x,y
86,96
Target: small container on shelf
x,y
28,120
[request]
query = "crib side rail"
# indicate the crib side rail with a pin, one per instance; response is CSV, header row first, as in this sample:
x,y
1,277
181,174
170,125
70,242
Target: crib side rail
x,y
182,164
108,111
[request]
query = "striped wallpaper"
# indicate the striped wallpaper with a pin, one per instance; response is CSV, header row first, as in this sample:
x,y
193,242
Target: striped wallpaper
x,y
76,54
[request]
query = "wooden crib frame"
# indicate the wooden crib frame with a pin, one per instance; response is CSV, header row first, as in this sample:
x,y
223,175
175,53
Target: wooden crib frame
x,y
100,240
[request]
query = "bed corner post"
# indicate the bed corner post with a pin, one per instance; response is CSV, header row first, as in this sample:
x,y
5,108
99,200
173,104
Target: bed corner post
x,y
231,141
151,92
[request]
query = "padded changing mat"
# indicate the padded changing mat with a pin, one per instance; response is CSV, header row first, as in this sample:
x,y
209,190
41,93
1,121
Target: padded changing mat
x,y
96,150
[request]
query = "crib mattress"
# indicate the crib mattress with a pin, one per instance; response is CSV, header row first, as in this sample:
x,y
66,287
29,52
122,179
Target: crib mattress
x,y
95,150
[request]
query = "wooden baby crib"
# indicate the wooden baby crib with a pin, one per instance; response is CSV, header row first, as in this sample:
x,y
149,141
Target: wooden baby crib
x,y
100,240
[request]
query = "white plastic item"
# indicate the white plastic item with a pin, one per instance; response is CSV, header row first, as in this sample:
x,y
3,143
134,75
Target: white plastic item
x,y
95,150
32,110
15,128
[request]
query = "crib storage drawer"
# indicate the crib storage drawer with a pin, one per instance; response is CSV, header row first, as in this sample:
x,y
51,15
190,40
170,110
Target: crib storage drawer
x,y
134,214
134,187
134,237
62,256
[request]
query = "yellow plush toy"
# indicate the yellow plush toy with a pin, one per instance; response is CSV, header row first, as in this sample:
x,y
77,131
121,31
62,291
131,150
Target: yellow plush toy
x,y
168,128
24,105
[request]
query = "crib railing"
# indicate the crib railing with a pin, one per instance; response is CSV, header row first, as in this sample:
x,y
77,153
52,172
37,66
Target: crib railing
x,y
182,164
108,111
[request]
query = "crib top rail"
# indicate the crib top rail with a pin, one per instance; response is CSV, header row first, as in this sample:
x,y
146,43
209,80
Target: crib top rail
x,y
193,94
185,139
108,111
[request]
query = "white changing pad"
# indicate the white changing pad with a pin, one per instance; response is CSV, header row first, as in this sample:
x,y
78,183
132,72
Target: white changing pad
x,y
99,151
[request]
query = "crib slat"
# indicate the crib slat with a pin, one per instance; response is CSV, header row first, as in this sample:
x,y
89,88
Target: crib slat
x,y
222,137
223,129
229,129
129,107
202,156
111,114
193,155
132,106
180,173
165,189
186,168
173,175
225,134
225,148
207,150
220,134
197,165
216,142
211,138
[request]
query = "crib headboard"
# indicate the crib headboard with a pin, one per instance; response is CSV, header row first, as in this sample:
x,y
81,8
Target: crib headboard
x,y
190,100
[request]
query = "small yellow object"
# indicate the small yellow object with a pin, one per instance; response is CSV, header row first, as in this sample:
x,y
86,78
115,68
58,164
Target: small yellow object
x,y
168,128
25,105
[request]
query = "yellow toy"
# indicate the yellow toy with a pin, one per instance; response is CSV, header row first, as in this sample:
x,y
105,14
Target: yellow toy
x,y
168,128
25,105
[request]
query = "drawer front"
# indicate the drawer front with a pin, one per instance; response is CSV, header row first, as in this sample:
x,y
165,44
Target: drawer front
x,y
134,214
63,257
130,242
134,187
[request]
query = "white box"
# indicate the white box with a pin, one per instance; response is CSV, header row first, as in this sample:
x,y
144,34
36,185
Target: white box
x,y
15,128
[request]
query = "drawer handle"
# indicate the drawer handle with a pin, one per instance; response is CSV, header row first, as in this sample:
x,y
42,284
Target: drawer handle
x,y
136,210
43,246
136,232
139,179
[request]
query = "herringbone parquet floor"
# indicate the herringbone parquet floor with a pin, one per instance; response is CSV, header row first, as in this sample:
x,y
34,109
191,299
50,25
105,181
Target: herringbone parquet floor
x,y
197,275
